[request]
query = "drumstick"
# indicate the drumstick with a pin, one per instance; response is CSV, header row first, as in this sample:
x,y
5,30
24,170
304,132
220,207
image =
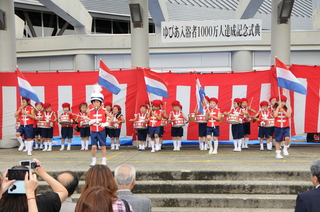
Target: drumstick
x,y
196,107
79,116
75,114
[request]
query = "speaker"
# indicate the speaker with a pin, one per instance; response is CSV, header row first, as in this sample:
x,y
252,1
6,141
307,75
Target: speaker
x,y
2,20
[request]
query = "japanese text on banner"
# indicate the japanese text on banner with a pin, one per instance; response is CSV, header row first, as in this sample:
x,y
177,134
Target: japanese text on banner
x,y
204,31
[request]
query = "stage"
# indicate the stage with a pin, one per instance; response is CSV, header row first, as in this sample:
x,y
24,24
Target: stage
x,y
296,140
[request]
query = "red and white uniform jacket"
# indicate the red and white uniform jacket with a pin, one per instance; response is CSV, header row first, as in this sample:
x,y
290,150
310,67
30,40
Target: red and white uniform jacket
x,y
71,117
176,115
246,117
154,122
238,112
264,115
271,108
211,121
99,115
281,120
26,120
39,115
141,116
49,117
82,116
116,118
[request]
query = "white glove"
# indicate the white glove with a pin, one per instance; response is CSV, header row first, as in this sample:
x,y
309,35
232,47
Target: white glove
x,y
104,124
116,125
92,122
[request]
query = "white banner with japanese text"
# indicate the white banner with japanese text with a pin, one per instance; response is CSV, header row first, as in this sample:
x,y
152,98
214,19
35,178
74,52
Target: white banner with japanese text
x,y
208,31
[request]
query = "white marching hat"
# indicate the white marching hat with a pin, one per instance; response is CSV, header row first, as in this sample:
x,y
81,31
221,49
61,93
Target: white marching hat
x,y
96,95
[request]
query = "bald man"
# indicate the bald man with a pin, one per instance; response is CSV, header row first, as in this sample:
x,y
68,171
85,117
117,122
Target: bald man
x,y
125,176
70,181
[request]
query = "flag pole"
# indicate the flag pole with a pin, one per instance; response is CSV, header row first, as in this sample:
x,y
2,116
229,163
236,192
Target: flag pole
x,y
275,58
279,94
279,102
196,108
149,99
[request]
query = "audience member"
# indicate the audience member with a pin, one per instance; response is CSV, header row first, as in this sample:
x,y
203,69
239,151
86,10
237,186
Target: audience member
x,y
125,176
70,181
50,202
92,198
31,185
309,201
101,175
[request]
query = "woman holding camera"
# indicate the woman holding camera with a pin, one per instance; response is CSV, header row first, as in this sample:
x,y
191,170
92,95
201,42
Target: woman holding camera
x,y
30,185
46,202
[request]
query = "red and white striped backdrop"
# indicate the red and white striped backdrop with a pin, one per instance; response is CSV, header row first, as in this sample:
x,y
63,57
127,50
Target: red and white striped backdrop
x,y
76,87
306,108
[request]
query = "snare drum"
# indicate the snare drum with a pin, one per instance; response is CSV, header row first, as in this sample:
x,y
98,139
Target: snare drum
x,y
140,125
85,122
164,122
269,123
249,119
64,120
178,122
201,119
44,124
192,117
232,119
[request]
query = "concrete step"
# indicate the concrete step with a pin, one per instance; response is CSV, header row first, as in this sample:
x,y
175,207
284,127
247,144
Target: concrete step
x,y
215,202
214,175
222,200
215,190
210,187
222,175
211,209
223,187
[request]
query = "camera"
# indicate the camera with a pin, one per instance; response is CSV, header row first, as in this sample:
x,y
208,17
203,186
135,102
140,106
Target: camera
x,y
31,164
18,175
